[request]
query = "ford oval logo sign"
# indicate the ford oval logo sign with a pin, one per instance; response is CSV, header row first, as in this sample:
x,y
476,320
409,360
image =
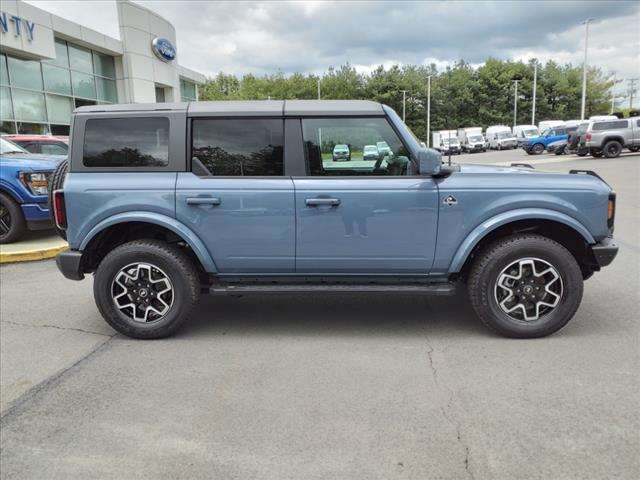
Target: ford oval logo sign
x,y
163,49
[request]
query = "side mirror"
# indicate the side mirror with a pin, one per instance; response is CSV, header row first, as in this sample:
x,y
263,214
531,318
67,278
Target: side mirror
x,y
429,161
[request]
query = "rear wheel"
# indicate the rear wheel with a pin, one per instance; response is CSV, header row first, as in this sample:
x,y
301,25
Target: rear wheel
x,y
595,152
12,222
612,149
537,149
525,286
634,149
56,183
146,288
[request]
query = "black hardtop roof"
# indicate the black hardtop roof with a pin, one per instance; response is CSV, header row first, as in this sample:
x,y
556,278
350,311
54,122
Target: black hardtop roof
x,y
265,108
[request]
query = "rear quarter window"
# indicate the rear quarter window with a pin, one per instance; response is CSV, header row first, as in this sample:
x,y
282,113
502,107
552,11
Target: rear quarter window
x,y
613,124
126,142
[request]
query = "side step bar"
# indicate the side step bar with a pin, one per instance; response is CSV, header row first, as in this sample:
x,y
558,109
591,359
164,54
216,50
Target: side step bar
x,y
441,289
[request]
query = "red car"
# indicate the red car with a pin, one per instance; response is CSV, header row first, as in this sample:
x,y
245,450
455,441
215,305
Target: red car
x,y
44,144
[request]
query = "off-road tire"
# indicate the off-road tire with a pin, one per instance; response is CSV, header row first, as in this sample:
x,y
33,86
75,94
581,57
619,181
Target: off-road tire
x,y
537,149
495,257
177,266
612,149
56,183
595,152
17,224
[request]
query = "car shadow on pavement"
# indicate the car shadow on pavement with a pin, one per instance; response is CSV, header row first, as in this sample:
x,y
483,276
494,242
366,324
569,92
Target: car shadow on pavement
x,y
340,315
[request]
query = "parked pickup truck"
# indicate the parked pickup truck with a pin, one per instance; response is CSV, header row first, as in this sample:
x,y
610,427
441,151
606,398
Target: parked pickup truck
x,y
164,202
24,180
609,137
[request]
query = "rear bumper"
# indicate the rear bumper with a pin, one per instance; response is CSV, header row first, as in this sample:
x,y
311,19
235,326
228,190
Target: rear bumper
x,y
605,251
70,264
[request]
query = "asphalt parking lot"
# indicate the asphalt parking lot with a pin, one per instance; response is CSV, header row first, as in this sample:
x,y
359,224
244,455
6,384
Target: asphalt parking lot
x,y
327,387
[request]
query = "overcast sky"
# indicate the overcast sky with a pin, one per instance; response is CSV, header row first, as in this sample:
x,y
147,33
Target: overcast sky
x,y
308,37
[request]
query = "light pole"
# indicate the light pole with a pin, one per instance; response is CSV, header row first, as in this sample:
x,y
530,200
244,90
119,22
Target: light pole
x,y
428,110
404,100
318,88
584,67
535,84
613,93
515,102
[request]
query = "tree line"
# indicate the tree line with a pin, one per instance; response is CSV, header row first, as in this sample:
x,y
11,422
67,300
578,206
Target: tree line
x,y
461,96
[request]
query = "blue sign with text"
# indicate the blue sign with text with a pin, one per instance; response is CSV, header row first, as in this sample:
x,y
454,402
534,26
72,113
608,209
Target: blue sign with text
x,y
16,23
163,49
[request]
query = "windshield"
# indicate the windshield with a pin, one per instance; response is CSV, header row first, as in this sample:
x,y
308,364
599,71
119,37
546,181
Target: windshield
x,y
370,149
476,138
7,146
532,132
502,135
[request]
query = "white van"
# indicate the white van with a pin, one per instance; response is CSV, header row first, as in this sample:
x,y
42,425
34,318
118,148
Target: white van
x,y
597,118
547,124
500,137
471,139
524,132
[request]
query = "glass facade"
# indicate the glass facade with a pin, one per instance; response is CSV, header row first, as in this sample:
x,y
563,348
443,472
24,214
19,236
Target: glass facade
x,y
187,91
38,97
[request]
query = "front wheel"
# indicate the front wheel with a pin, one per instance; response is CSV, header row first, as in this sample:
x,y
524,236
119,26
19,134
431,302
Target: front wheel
x,y
525,286
146,288
537,149
12,222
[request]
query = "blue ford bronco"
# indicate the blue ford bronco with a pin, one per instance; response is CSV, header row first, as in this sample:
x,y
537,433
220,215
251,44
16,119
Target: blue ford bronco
x,y
165,202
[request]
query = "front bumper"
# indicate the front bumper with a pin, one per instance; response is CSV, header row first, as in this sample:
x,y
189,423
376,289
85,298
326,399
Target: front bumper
x,y
605,251
70,264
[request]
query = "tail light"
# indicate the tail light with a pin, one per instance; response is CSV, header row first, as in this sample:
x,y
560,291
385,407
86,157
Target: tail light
x,y
588,137
611,210
59,213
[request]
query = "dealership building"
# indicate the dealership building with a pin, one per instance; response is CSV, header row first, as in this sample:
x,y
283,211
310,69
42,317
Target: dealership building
x,y
50,65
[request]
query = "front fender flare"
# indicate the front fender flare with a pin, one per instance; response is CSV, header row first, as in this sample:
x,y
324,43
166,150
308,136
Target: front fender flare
x,y
486,227
172,224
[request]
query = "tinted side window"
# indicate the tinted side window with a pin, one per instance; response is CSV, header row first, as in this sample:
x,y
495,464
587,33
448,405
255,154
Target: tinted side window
x,y
126,142
238,147
54,149
353,146
610,125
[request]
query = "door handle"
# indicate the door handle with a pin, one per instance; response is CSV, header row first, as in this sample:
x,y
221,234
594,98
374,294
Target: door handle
x,y
314,202
203,201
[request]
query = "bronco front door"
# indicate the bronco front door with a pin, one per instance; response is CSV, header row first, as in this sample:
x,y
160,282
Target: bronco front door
x,y
362,216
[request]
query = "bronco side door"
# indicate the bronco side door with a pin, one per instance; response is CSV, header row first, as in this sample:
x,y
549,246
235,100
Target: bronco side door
x,y
363,216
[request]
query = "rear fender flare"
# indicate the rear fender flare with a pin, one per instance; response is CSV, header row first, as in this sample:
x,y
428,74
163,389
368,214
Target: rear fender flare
x,y
169,223
486,227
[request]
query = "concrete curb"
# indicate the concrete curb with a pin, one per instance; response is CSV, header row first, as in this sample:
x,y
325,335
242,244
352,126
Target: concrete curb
x,y
31,255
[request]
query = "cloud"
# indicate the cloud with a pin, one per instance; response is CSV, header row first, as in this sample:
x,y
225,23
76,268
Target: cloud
x,y
268,37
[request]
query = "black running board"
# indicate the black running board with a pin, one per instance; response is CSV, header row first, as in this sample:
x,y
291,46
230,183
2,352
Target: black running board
x,y
441,289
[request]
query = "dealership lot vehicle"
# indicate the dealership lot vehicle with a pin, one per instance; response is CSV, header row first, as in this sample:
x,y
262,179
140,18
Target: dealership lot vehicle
x,y
44,144
609,137
353,229
537,145
501,138
24,180
446,141
341,153
524,132
471,139
370,152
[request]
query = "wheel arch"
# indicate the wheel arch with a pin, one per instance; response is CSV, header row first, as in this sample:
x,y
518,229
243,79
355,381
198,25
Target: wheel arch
x,y
120,228
11,192
611,138
558,226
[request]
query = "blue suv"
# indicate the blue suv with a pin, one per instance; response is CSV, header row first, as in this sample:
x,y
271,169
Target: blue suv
x,y
24,180
537,145
165,202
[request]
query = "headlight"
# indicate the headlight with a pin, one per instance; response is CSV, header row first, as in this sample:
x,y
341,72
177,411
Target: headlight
x,y
37,183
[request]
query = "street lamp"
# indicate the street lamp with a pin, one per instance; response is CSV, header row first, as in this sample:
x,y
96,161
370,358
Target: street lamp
x,y
535,83
429,110
404,100
584,67
515,102
318,88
